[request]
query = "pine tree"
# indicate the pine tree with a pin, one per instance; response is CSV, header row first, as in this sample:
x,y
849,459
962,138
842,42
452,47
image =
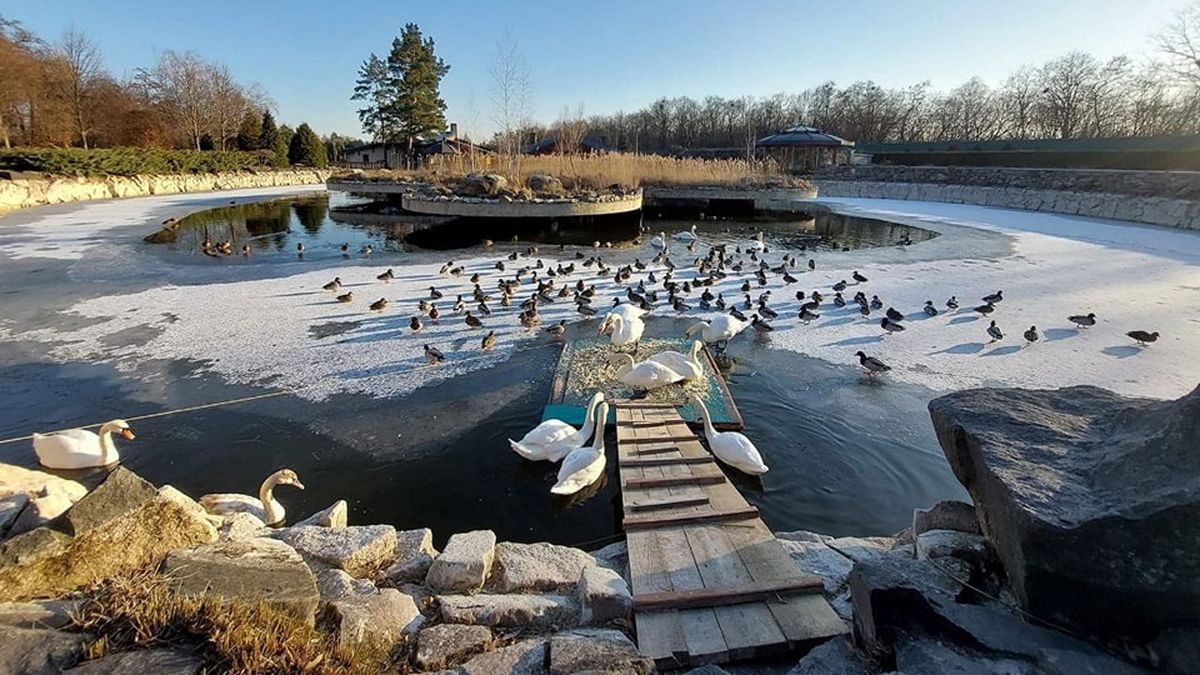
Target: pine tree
x,y
268,134
248,131
372,87
283,141
306,148
414,75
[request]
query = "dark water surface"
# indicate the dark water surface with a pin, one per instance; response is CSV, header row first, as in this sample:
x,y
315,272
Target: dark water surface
x,y
847,455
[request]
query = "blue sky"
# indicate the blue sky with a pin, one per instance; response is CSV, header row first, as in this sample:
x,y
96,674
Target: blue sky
x,y
611,55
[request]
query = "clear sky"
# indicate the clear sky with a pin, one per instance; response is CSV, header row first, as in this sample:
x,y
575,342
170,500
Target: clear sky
x,y
609,55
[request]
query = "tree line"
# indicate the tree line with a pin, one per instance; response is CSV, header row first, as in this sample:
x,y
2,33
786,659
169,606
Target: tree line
x,y
59,94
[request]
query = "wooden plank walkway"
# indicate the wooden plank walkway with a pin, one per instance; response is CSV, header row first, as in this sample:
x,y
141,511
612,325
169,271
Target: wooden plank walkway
x,y
711,584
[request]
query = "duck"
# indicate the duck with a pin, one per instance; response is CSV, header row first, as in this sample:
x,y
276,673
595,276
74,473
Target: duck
x,y
625,331
1142,337
686,235
1083,320
687,365
348,296
659,241
952,303
893,314
80,448
644,375
335,285
379,305
721,329
986,308
558,329
554,439
730,447
434,355
872,365
1031,335
757,243
265,508
387,276
993,298
858,277
994,332
890,326
585,465
489,341
415,324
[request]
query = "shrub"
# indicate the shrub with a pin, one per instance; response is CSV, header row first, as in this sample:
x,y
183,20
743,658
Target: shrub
x,y
126,161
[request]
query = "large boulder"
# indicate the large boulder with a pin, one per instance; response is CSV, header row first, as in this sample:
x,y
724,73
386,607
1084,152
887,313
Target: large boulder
x,y
382,617
27,651
247,572
596,651
447,644
38,613
161,661
31,498
537,567
334,515
510,611
836,657
361,550
481,185
102,540
946,515
464,564
527,657
602,596
414,555
544,185
1091,499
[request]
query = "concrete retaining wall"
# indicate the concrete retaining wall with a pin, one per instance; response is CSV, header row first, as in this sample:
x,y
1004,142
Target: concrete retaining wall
x,y
21,193
1166,211
766,199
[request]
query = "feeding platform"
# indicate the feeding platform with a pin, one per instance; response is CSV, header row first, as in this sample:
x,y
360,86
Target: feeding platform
x,y
585,367
710,581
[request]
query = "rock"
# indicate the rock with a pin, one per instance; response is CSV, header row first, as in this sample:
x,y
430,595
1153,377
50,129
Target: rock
x,y
1179,651
47,562
895,598
527,657
615,557
946,515
447,644
30,498
158,661
510,611
596,651
602,596
971,548
537,567
10,508
835,657
933,657
1067,483
465,563
803,536
121,491
382,617
546,186
362,550
39,510
37,614
334,516
414,555
19,480
240,527
335,584
814,557
710,669
26,651
258,570
481,185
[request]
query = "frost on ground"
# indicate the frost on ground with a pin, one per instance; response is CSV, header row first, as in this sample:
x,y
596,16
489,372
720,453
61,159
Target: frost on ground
x,y
289,333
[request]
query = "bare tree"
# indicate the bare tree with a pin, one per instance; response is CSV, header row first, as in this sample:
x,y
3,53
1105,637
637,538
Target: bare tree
x,y
182,85
512,99
1179,41
570,130
83,67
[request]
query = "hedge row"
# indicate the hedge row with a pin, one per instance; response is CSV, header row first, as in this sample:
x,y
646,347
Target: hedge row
x,y
129,161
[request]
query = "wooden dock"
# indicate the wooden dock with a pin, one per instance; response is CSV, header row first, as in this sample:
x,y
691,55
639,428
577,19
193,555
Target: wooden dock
x,y
711,584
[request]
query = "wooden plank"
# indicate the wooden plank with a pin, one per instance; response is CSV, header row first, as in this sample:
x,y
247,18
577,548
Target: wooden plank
x,y
735,423
701,630
730,595
666,461
668,503
644,424
559,385
632,405
660,634
670,438
642,450
703,479
642,522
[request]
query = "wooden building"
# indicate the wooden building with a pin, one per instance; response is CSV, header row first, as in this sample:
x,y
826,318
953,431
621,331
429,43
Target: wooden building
x,y
391,155
803,149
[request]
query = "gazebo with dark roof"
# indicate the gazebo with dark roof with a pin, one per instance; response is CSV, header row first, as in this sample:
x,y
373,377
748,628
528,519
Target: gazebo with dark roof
x,y
802,149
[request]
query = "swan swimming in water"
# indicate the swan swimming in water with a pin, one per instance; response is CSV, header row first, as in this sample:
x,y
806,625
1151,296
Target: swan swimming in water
x,y
659,241
79,448
583,466
553,439
265,508
686,236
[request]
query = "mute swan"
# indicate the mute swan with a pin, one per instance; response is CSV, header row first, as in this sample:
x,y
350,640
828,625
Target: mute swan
x,y
687,365
685,236
626,311
731,447
660,241
79,448
583,466
624,331
554,439
721,329
644,375
265,508
757,244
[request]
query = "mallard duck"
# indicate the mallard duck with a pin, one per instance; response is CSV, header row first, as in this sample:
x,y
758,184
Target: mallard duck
x,y
348,296
583,466
1142,337
1031,335
433,355
335,285
994,332
558,329
993,298
858,277
379,305
415,324
554,439
872,365
79,448
265,508
472,321
387,276
1083,320
730,447
489,341
930,309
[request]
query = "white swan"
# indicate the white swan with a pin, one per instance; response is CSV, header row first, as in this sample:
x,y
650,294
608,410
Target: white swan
x,y
626,311
645,375
79,448
265,508
660,241
554,439
624,331
757,244
721,329
731,447
687,365
685,236
583,466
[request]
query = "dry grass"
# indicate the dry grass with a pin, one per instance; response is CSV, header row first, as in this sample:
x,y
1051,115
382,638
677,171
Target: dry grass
x,y
600,171
137,611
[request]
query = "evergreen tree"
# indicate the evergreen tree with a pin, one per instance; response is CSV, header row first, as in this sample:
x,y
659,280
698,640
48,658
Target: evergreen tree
x,y
283,141
306,148
372,88
248,131
268,134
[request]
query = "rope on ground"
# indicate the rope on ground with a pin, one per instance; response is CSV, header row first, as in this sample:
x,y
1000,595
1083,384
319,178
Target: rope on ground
x,y
265,395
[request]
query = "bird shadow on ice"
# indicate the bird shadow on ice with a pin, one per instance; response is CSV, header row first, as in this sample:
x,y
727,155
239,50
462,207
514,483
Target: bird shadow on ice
x,y
963,319
1053,334
864,340
919,316
1121,351
964,348
1003,351
839,322
295,295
